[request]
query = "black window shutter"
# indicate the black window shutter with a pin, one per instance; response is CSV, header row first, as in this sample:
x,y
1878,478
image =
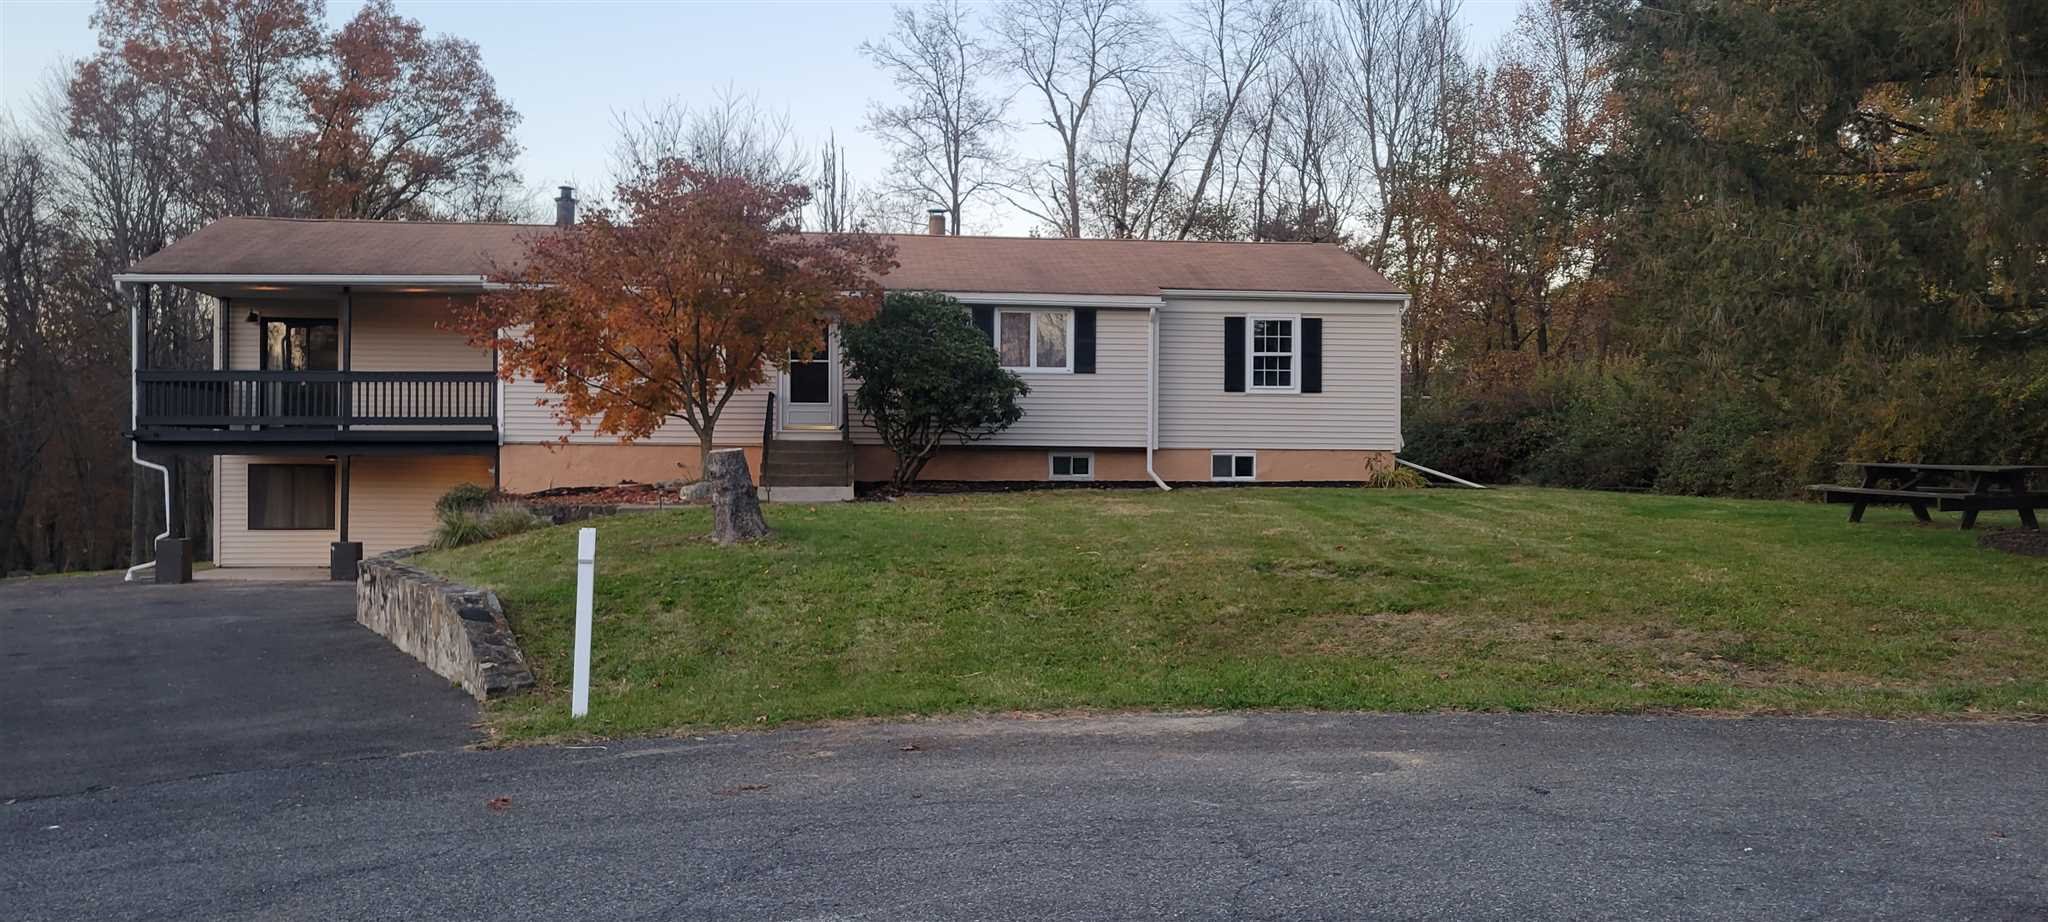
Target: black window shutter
x,y
1233,355
1084,341
985,318
1311,355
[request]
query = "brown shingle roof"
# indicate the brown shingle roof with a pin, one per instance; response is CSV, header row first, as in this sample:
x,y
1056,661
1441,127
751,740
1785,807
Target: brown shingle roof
x,y
281,247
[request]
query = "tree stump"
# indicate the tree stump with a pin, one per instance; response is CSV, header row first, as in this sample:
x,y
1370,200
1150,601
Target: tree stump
x,y
735,507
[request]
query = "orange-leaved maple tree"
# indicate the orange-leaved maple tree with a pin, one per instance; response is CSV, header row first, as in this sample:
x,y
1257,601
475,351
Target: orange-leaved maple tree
x,y
664,305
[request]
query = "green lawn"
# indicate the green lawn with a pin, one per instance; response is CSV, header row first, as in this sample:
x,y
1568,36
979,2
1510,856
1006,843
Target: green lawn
x,y
1274,598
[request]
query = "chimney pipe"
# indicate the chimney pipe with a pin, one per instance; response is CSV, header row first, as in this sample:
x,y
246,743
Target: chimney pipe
x,y
565,207
935,222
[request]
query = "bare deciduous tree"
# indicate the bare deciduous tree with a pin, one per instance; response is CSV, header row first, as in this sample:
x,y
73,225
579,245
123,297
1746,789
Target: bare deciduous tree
x,y
1133,181
1232,43
946,134
833,192
1068,52
733,136
1402,52
30,240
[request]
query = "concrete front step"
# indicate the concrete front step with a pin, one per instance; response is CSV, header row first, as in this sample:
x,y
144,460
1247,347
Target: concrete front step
x,y
812,480
780,452
777,469
800,494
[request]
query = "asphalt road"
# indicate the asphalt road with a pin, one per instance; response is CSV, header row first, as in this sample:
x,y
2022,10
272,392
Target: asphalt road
x,y
1178,817
111,683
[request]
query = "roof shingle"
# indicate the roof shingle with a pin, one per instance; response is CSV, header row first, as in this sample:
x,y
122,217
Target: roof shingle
x,y
1026,265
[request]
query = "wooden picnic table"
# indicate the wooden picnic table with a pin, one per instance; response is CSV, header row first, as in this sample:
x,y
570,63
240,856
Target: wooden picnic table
x,y
1965,488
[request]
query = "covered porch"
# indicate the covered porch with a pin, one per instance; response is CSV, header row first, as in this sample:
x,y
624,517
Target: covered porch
x,y
313,378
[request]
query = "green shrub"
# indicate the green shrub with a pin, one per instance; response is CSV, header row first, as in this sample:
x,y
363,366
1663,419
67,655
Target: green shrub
x,y
1604,428
1725,450
928,377
1619,426
1484,437
466,497
1572,425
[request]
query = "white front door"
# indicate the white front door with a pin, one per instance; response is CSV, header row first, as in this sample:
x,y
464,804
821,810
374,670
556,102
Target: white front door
x,y
810,391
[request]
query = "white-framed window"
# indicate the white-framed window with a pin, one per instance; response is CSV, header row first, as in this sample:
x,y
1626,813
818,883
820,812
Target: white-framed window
x,y
1233,465
1041,341
1073,465
1273,356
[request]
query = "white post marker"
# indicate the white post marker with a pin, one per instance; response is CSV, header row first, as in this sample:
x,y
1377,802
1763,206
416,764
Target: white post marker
x,y
586,564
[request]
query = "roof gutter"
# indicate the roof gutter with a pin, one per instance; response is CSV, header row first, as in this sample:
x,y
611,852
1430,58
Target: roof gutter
x,y
1035,299
182,278
1218,294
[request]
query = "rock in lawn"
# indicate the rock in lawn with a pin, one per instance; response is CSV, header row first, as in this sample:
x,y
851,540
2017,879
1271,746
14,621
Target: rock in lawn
x,y
735,507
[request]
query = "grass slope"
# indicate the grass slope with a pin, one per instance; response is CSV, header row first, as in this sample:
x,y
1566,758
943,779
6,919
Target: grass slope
x,y
1273,598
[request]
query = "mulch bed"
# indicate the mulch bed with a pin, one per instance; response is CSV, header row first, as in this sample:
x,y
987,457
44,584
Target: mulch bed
x,y
623,494
2026,541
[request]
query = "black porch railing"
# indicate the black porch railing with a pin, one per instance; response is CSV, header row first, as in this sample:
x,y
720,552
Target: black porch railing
x,y
316,399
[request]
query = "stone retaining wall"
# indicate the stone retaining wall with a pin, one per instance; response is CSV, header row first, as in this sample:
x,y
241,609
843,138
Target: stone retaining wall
x,y
459,632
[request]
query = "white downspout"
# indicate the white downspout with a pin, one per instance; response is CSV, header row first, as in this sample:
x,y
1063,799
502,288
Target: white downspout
x,y
1438,474
134,447
1152,394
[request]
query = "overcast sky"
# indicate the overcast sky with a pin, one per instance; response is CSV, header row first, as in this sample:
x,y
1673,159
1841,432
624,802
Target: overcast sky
x,y
568,66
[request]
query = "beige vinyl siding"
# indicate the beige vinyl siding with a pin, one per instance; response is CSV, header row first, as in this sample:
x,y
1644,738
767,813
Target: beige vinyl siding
x,y
1359,408
391,506
391,333
392,498
529,417
1064,410
402,334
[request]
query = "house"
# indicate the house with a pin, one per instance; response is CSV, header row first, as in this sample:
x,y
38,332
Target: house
x,y
338,407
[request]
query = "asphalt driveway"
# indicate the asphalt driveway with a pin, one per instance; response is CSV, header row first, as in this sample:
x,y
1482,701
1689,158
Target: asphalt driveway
x,y
1206,816
110,684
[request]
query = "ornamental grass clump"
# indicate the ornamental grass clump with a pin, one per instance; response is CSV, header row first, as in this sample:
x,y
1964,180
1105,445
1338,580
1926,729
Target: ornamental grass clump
x,y
469,514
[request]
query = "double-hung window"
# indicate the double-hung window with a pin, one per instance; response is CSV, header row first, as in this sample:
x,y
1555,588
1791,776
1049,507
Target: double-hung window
x,y
1035,340
1274,354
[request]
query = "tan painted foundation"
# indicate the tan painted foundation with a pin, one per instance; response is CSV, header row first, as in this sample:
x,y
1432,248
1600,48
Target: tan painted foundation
x,y
1181,465
532,468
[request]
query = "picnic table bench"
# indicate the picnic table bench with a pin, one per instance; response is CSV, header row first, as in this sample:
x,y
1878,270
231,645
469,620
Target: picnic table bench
x,y
1965,488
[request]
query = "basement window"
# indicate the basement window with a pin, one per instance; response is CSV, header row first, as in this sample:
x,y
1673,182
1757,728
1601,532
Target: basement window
x,y
1073,466
1233,465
